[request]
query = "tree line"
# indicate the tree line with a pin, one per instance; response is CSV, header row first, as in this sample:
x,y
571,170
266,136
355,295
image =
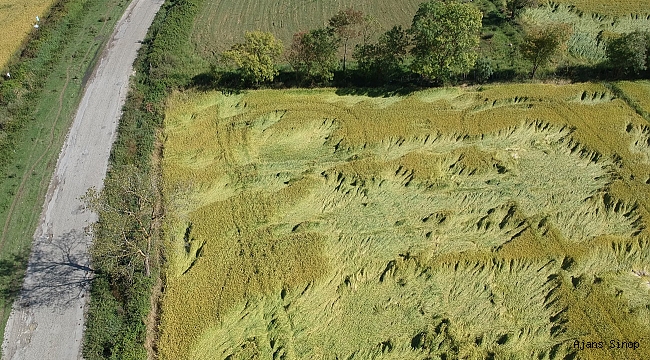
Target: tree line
x,y
440,47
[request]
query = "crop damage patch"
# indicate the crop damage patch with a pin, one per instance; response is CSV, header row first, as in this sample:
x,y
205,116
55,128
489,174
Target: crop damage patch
x,y
314,228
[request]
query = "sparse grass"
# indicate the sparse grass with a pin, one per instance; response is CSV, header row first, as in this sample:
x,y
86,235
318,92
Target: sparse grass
x,y
305,224
18,19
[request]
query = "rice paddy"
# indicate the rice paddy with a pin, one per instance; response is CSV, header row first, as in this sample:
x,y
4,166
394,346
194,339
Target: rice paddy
x,y
18,19
497,222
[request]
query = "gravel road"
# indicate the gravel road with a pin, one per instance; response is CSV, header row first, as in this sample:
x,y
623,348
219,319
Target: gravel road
x,y
47,321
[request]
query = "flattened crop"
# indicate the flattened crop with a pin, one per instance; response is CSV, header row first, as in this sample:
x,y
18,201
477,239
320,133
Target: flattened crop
x,y
475,223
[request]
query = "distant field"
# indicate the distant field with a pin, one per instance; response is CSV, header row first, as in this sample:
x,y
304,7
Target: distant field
x,y
17,19
504,221
222,23
612,8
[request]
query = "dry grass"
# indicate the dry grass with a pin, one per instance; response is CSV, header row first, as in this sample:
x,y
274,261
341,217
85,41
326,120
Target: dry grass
x,y
18,19
498,221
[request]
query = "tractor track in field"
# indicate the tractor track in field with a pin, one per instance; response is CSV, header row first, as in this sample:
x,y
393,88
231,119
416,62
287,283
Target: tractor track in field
x,y
47,321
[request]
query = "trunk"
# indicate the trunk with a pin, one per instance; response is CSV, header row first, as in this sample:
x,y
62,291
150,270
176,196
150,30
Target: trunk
x,y
147,268
345,52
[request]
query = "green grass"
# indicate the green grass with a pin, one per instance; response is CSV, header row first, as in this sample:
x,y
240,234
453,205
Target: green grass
x,y
38,120
501,221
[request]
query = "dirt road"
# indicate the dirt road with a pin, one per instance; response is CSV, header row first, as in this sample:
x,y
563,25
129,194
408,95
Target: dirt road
x,y
47,321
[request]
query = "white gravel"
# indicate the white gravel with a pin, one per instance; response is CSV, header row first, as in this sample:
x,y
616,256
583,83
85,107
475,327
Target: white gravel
x,y
47,321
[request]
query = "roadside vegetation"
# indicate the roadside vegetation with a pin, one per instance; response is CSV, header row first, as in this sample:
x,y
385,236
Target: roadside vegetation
x,y
127,253
37,106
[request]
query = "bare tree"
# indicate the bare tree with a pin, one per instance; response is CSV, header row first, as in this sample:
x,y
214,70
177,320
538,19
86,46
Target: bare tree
x,y
124,232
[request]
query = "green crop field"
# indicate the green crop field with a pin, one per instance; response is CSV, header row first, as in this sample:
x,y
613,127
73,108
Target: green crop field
x,y
499,222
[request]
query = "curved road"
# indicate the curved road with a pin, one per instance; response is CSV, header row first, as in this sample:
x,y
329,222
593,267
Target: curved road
x,y
47,321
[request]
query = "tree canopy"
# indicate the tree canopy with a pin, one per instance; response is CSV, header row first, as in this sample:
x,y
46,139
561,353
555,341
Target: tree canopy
x,y
383,59
347,24
313,54
515,7
542,44
256,57
629,53
445,39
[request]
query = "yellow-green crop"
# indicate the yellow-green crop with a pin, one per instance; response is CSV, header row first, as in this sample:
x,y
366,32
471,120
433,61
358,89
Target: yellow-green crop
x,y
505,221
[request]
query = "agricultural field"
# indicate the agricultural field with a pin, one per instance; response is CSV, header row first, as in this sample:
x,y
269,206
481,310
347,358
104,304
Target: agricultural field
x,y
214,26
503,221
18,19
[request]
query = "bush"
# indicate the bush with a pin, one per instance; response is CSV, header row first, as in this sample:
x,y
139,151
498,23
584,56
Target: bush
x,y
629,53
483,69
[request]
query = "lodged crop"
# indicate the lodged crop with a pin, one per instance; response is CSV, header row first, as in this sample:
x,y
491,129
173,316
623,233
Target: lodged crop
x,y
472,223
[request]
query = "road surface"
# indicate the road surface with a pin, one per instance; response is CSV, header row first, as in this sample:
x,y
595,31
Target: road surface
x,y
47,321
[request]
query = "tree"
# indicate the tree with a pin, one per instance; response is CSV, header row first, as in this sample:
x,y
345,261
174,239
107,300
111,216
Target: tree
x,y
313,54
445,39
384,59
629,53
515,7
542,44
347,24
256,57
124,231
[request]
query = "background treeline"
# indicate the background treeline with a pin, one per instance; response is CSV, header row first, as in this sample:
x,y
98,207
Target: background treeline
x,y
448,42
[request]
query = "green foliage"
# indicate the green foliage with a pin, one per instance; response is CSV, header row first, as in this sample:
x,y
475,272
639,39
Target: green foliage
x,y
483,69
383,60
257,57
445,39
629,53
541,45
313,54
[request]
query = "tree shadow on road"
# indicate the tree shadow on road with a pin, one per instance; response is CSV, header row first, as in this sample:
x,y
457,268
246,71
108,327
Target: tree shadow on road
x,y
59,271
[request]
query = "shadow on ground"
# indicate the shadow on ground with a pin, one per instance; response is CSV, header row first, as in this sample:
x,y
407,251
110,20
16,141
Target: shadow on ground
x,y
59,271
